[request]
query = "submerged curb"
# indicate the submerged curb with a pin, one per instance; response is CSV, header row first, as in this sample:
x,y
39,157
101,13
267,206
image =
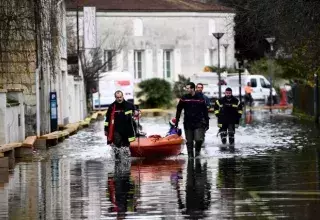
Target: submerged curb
x,y
9,152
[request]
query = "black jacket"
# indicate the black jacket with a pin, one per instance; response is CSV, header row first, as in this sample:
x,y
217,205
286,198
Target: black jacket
x,y
195,111
228,111
123,121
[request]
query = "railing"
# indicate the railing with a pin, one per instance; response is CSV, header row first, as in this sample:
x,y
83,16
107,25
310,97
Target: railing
x,y
303,99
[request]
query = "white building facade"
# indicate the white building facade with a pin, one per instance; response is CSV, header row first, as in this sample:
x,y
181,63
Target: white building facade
x,y
160,42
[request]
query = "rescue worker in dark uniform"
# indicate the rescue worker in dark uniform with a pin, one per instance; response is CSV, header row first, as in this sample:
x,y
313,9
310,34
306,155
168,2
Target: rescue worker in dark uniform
x,y
119,115
196,119
199,89
228,111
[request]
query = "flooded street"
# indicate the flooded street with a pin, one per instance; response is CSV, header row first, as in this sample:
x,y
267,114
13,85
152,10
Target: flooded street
x,y
274,173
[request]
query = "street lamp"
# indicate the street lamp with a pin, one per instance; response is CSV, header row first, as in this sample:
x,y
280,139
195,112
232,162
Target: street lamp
x,y
218,36
271,41
240,65
225,54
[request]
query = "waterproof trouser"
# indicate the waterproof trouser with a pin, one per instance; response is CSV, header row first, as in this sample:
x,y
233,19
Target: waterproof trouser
x,y
120,140
227,130
248,99
197,136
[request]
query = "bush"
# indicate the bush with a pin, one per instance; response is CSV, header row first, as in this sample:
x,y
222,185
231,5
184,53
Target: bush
x,y
261,67
178,88
155,93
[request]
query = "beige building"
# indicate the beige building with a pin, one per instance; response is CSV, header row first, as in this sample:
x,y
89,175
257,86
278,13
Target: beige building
x,y
163,38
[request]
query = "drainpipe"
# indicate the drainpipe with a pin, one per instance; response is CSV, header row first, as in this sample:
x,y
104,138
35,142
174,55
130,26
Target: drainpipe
x,y
38,69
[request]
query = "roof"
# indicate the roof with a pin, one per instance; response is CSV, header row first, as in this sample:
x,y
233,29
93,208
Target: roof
x,y
149,6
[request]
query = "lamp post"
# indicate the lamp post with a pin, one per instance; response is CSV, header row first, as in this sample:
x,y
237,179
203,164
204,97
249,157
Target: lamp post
x,y
218,37
240,65
225,54
271,41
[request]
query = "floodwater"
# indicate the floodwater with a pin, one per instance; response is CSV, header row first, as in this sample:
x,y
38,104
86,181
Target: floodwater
x,y
272,174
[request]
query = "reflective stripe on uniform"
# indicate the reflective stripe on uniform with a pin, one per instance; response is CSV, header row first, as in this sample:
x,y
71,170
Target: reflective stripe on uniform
x,y
106,124
216,112
130,139
218,103
235,106
128,112
220,125
240,112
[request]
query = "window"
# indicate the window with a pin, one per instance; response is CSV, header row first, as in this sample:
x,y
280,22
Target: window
x,y
109,60
211,26
234,82
138,64
167,63
264,84
137,27
253,83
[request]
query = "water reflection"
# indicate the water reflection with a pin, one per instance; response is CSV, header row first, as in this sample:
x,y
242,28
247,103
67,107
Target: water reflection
x,y
226,184
248,116
121,190
257,181
198,190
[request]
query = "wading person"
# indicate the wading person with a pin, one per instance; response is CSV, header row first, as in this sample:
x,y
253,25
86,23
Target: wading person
x,y
196,119
248,97
119,125
199,89
228,111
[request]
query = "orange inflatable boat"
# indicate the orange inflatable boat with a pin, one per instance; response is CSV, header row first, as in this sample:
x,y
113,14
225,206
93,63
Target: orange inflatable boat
x,y
156,146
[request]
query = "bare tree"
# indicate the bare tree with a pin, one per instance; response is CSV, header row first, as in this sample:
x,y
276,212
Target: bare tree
x,y
96,61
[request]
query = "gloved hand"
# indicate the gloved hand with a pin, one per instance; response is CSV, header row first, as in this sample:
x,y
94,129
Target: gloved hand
x,y
106,133
236,125
137,114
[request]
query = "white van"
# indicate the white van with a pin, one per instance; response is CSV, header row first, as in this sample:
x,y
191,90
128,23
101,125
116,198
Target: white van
x,y
260,86
111,82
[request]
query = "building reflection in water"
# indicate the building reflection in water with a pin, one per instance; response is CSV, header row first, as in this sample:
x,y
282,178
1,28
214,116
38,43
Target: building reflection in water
x,y
197,190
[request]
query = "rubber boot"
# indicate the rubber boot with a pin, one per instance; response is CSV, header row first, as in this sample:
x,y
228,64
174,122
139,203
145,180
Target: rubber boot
x,y
231,140
198,148
223,137
231,137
